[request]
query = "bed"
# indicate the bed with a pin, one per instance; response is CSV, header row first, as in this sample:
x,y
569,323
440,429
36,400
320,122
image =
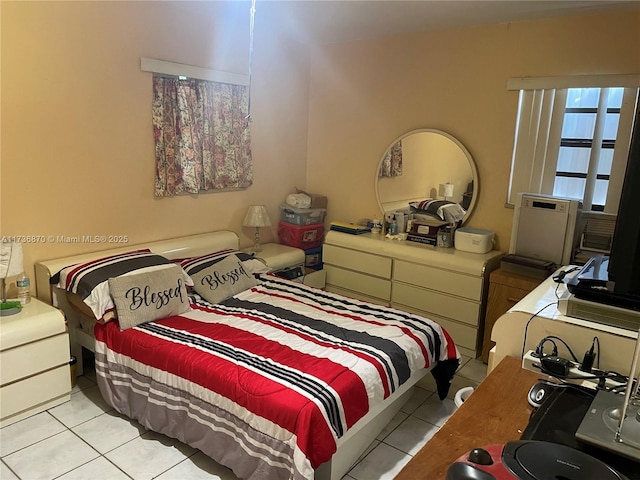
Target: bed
x,y
277,381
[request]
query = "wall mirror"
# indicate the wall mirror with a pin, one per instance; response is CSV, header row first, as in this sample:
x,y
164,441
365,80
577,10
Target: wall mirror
x,y
434,165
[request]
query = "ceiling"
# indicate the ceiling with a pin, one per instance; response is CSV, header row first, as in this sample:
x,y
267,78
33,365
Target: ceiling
x,y
332,21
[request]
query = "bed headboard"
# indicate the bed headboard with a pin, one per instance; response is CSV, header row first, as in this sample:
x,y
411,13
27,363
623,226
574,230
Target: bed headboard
x,y
189,246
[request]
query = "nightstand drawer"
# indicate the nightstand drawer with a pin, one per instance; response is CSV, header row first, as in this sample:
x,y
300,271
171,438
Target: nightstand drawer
x,y
32,358
358,261
45,390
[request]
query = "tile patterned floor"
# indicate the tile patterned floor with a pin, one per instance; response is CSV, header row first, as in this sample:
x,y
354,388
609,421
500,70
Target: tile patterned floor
x,y
86,439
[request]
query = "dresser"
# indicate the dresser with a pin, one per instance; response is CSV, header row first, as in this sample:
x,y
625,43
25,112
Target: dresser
x,y
446,285
34,361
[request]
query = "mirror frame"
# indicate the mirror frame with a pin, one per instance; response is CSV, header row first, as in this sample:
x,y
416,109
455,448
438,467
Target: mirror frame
x,y
472,165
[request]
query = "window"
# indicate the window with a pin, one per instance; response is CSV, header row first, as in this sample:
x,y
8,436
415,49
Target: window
x,y
201,128
572,138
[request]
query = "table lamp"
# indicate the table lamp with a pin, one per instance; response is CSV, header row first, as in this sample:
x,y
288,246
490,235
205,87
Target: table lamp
x,y
10,266
446,190
257,217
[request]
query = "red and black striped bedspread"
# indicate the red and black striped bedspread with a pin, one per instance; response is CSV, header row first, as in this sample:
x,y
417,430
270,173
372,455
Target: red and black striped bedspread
x,y
268,380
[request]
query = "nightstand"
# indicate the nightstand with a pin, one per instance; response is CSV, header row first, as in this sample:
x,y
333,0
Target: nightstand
x,y
288,262
505,290
34,361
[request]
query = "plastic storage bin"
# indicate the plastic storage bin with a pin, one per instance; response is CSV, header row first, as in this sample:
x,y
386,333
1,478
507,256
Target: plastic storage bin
x,y
301,216
473,240
313,258
300,236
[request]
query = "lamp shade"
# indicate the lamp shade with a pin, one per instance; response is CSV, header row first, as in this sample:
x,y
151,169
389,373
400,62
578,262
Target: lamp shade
x,y
11,263
257,216
446,190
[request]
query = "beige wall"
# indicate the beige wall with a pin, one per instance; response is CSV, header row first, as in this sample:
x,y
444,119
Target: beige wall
x,y
77,148
363,95
77,144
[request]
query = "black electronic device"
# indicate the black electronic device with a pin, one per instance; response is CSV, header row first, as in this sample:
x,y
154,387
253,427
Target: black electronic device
x,y
293,273
615,279
624,261
558,418
592,283
530,460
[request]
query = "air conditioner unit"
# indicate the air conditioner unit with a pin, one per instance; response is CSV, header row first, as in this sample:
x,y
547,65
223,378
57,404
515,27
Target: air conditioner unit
x,y
546,228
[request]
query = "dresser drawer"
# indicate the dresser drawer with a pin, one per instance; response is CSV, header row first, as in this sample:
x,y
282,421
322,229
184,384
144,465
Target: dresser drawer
x,y
32,358
460,309
358,261
436,279
356,295
463,335
358,282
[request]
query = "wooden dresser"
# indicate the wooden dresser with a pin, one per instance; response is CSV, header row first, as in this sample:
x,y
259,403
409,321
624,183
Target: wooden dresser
x,y
447,285
505,290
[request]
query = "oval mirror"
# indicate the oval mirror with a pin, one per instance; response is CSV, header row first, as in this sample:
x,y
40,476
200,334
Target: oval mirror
x,y
425,164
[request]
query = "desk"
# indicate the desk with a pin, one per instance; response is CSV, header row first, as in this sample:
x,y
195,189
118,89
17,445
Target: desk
x,y
616,344
495,413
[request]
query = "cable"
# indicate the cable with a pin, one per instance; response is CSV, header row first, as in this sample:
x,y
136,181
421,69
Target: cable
x,y
553,337
526,327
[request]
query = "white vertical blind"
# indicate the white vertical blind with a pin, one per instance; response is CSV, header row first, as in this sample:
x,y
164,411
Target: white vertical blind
x,y
538,134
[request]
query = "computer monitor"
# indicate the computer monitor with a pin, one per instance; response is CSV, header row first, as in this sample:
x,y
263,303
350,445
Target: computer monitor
x,y
624,258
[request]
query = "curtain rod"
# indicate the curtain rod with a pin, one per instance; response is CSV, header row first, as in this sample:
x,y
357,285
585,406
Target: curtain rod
x,y
181,70
574,81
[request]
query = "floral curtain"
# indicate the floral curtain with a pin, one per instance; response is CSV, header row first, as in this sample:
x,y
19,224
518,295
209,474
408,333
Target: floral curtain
x,y
392,162
202,136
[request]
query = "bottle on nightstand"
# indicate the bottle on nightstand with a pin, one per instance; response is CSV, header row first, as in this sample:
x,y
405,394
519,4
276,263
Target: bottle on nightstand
x,y
24,288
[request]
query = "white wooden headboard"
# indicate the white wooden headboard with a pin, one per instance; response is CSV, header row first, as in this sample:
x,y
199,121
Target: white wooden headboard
x,y
181,247
189,246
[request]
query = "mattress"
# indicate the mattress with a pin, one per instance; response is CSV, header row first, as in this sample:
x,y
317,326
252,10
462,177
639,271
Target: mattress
x,y
268,381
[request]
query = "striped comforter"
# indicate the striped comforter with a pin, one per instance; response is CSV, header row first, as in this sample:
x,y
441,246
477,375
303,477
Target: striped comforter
x,y
267,381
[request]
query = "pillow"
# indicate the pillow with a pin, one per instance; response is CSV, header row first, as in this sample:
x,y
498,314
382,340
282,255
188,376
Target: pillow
x,y
449,211
223,279
150,295
90,280
251,264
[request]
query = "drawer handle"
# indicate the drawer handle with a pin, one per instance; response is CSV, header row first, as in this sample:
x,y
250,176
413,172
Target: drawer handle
x,y
513,300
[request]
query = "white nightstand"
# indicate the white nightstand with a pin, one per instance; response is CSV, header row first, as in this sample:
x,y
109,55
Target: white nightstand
x,y
34,361
289,263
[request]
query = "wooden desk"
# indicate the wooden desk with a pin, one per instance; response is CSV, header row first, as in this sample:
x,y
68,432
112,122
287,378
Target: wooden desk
x,y
495,413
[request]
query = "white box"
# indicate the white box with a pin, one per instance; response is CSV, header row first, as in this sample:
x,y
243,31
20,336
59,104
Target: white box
x,y
546,228
473,240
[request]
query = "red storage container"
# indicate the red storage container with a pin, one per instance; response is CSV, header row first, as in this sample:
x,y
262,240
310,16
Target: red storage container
x,y
300,236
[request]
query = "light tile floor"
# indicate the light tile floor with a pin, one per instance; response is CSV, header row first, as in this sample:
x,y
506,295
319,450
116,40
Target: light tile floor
x,y
85,439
